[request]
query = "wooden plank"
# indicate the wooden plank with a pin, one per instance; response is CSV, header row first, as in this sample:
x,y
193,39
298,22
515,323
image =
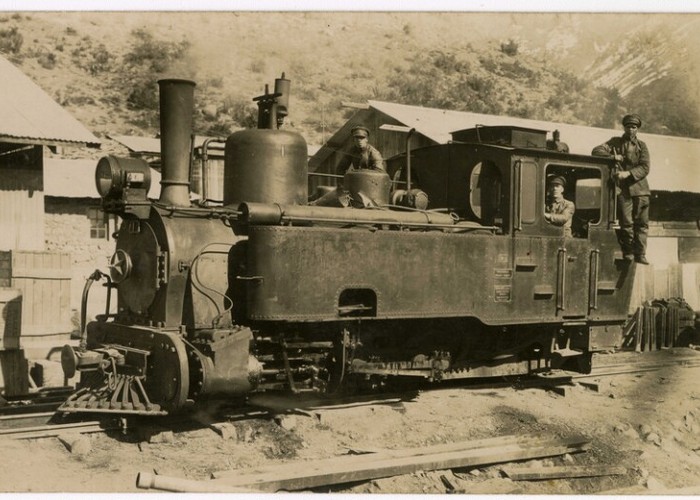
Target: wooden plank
x,y
673,324
561,472
522,441
628,331
645,339
10,318
312,474
661,327
561,390
318,475
639,326
596,385
14,372
45,288
651,326
57,288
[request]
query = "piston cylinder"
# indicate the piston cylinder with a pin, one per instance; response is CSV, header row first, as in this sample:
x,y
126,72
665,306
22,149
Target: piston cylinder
x,y
266,166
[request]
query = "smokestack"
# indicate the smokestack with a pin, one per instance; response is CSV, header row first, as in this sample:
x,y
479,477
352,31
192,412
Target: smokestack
x,y
176,110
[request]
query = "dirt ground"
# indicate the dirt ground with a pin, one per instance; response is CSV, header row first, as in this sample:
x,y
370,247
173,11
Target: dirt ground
x,y
648,423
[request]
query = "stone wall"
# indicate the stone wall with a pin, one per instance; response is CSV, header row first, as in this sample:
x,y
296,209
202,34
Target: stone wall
x,y
67,229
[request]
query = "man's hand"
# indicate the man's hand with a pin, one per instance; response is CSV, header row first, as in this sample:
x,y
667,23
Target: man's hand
x,y
619,158
622,174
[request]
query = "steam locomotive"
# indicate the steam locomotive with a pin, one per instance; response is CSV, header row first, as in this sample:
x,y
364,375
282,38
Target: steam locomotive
x,y
447,270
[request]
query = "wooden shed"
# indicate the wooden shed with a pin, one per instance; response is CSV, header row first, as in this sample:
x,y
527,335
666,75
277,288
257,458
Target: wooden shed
x,y
30,122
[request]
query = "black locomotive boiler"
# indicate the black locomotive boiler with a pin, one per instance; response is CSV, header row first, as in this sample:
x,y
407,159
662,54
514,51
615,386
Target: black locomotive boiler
x,y
449,271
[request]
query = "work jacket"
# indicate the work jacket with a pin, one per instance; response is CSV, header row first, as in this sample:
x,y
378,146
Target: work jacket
x,y
369,158
636,162
561,213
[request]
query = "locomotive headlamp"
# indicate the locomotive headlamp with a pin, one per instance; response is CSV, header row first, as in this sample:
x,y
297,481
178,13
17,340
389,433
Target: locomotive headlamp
x,y
125,179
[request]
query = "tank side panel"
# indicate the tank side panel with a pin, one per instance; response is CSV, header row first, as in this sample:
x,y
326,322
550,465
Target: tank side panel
x,y
301,273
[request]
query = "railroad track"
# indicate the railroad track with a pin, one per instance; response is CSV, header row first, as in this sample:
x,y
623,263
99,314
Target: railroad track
x,y
45,400
30,420
641,366
22,426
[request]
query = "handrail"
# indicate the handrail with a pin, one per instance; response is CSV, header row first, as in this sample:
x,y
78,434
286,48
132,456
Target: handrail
x,y
561,278
593,280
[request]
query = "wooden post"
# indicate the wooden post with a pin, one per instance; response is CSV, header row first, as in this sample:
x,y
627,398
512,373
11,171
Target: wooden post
x,y
638,327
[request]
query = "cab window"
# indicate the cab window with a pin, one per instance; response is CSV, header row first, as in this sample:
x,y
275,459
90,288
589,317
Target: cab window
x,y
584,187
485,193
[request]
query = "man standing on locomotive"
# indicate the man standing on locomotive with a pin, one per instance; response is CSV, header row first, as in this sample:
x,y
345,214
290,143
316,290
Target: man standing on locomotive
x,y
632,157
558,210
362,154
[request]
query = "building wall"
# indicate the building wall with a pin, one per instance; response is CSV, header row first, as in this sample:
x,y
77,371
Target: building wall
x,y
215,178
68,229
21,198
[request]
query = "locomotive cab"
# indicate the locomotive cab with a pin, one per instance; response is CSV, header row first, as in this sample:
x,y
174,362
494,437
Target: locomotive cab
x,y
497,176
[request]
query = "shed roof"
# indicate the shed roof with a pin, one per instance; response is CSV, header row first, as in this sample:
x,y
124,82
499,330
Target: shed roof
x,y
151,145
76,179
30,115
674,160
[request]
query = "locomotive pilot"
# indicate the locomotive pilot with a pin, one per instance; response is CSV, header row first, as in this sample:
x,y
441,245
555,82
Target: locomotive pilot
x,y
362,155
558,210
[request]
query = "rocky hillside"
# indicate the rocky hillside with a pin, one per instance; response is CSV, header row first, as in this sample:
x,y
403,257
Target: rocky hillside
x,y
576,68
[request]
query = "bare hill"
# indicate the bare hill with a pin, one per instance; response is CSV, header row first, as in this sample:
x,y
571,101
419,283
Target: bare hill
x,y
576,68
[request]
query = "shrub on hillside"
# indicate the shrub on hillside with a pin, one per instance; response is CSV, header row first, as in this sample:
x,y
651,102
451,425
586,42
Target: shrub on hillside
x,y
11,40
99,60
94,60
150,54
242,111
143,95
147,59
510,48
46,60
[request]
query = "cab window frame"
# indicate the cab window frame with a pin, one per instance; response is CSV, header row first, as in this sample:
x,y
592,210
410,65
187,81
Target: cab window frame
x,y
588,197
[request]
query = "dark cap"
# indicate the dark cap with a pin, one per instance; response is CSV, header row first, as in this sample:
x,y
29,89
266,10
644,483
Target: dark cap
x,y
359,131
632,120
556,179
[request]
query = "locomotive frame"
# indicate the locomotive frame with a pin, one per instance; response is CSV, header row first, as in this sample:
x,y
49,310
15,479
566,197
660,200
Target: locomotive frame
x,y
273,292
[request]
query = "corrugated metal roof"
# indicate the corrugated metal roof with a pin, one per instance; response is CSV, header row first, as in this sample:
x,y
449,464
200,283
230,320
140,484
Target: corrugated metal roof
x,y
674,160
76,179
135,144
151,145
28,114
